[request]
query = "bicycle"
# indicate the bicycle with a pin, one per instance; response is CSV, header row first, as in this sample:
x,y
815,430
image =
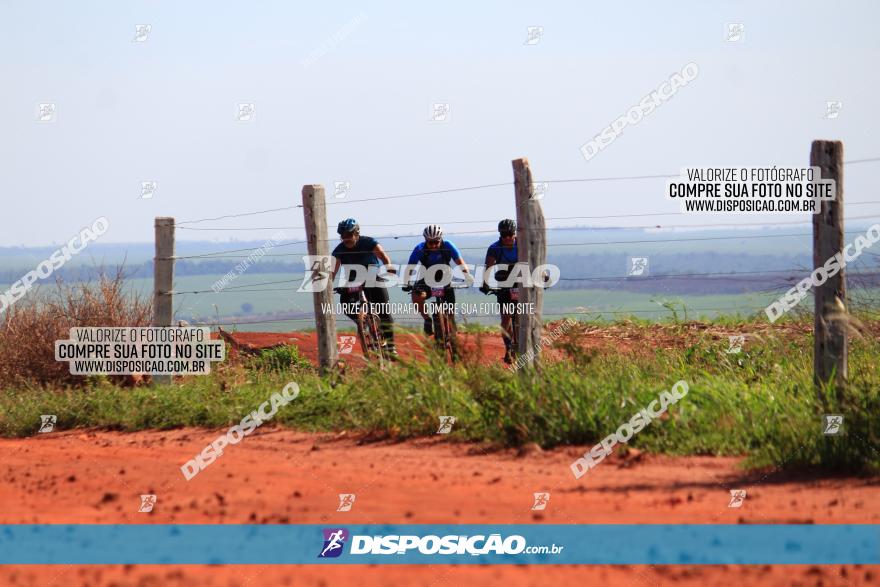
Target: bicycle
x,y
445,330
368,324
512,298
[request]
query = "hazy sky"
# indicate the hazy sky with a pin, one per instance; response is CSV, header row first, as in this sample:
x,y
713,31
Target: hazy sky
x,y
343,92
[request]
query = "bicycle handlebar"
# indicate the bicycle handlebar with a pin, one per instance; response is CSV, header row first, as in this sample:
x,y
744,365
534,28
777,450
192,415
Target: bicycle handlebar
x,y
454,285
341,290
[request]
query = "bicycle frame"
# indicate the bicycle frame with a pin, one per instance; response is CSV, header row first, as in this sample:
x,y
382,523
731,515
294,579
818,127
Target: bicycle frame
x,y
368,325
444,325
513,334
445,331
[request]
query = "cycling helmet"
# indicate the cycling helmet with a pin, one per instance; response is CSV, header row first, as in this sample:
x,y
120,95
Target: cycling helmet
x,y
507,225
432,231
348,225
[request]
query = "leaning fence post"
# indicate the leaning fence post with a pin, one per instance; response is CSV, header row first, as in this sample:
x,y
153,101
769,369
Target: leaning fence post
x,y
830,319
163,280
315,214
531,251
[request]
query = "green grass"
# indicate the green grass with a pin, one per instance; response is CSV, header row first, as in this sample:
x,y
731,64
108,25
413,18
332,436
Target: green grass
x,y
760,402
279,359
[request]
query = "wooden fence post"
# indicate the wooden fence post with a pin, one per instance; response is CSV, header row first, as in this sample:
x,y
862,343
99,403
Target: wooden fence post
x,y
532,251
830,319
315,214
163,280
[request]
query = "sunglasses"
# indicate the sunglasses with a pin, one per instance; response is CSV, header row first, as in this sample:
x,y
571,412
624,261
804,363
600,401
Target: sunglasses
x,y
434,241
507,234
346,235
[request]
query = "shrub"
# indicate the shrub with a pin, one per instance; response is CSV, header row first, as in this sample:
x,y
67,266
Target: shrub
x,y
279,359
29,329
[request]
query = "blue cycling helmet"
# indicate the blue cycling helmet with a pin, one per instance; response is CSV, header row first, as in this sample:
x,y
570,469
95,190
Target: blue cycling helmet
x,y
348,225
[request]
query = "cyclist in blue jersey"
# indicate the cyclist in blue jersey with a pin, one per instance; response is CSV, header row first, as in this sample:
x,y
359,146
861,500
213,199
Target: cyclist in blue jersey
x,y
434,251
503,252
364,251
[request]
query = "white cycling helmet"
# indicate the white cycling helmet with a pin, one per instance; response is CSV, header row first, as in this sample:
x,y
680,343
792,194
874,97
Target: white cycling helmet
x,y
432,231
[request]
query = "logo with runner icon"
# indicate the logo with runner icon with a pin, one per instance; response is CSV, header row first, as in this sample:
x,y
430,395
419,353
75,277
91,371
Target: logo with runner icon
x,y
341,188
735,344
833,424
446,423
147,503
334,540
637,266
346,344
346,501
47,423
541,501
737,497
317,273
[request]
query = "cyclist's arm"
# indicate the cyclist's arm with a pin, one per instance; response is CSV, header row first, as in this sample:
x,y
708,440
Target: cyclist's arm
x,y
414,261
456,254
490,257
383,256
335,269
490,260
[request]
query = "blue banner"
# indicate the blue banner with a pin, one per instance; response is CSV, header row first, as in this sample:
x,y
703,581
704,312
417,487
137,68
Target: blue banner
x,y
660,544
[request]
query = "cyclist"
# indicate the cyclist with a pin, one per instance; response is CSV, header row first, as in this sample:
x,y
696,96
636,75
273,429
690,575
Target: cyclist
x,y
434,251
503,252
366,252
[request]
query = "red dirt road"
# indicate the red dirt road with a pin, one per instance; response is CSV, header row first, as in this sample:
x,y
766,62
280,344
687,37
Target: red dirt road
x,y
487,348
279,476
623,338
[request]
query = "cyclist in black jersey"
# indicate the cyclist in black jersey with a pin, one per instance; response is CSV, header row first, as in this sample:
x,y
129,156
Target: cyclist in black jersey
x,y
503,252
364,251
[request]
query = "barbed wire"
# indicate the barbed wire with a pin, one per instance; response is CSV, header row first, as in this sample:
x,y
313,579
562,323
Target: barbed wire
x,y
248,288
598,243
239,215
646,227
218,254
210,255
447,222
776,272
631,278
469,188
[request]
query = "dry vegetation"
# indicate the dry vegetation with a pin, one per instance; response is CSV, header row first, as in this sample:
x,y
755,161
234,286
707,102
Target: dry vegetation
x,y
29,329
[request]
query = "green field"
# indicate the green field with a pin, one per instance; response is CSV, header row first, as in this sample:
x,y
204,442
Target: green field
x,y
592,303
280,308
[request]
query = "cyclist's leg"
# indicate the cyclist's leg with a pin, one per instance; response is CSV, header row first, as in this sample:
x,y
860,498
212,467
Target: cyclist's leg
x,y
348,301
449,311
449,295
506,322
420,294
449,300
379,296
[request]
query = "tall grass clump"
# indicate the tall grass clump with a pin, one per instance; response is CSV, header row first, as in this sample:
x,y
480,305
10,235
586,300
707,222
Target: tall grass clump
x,y
29,328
